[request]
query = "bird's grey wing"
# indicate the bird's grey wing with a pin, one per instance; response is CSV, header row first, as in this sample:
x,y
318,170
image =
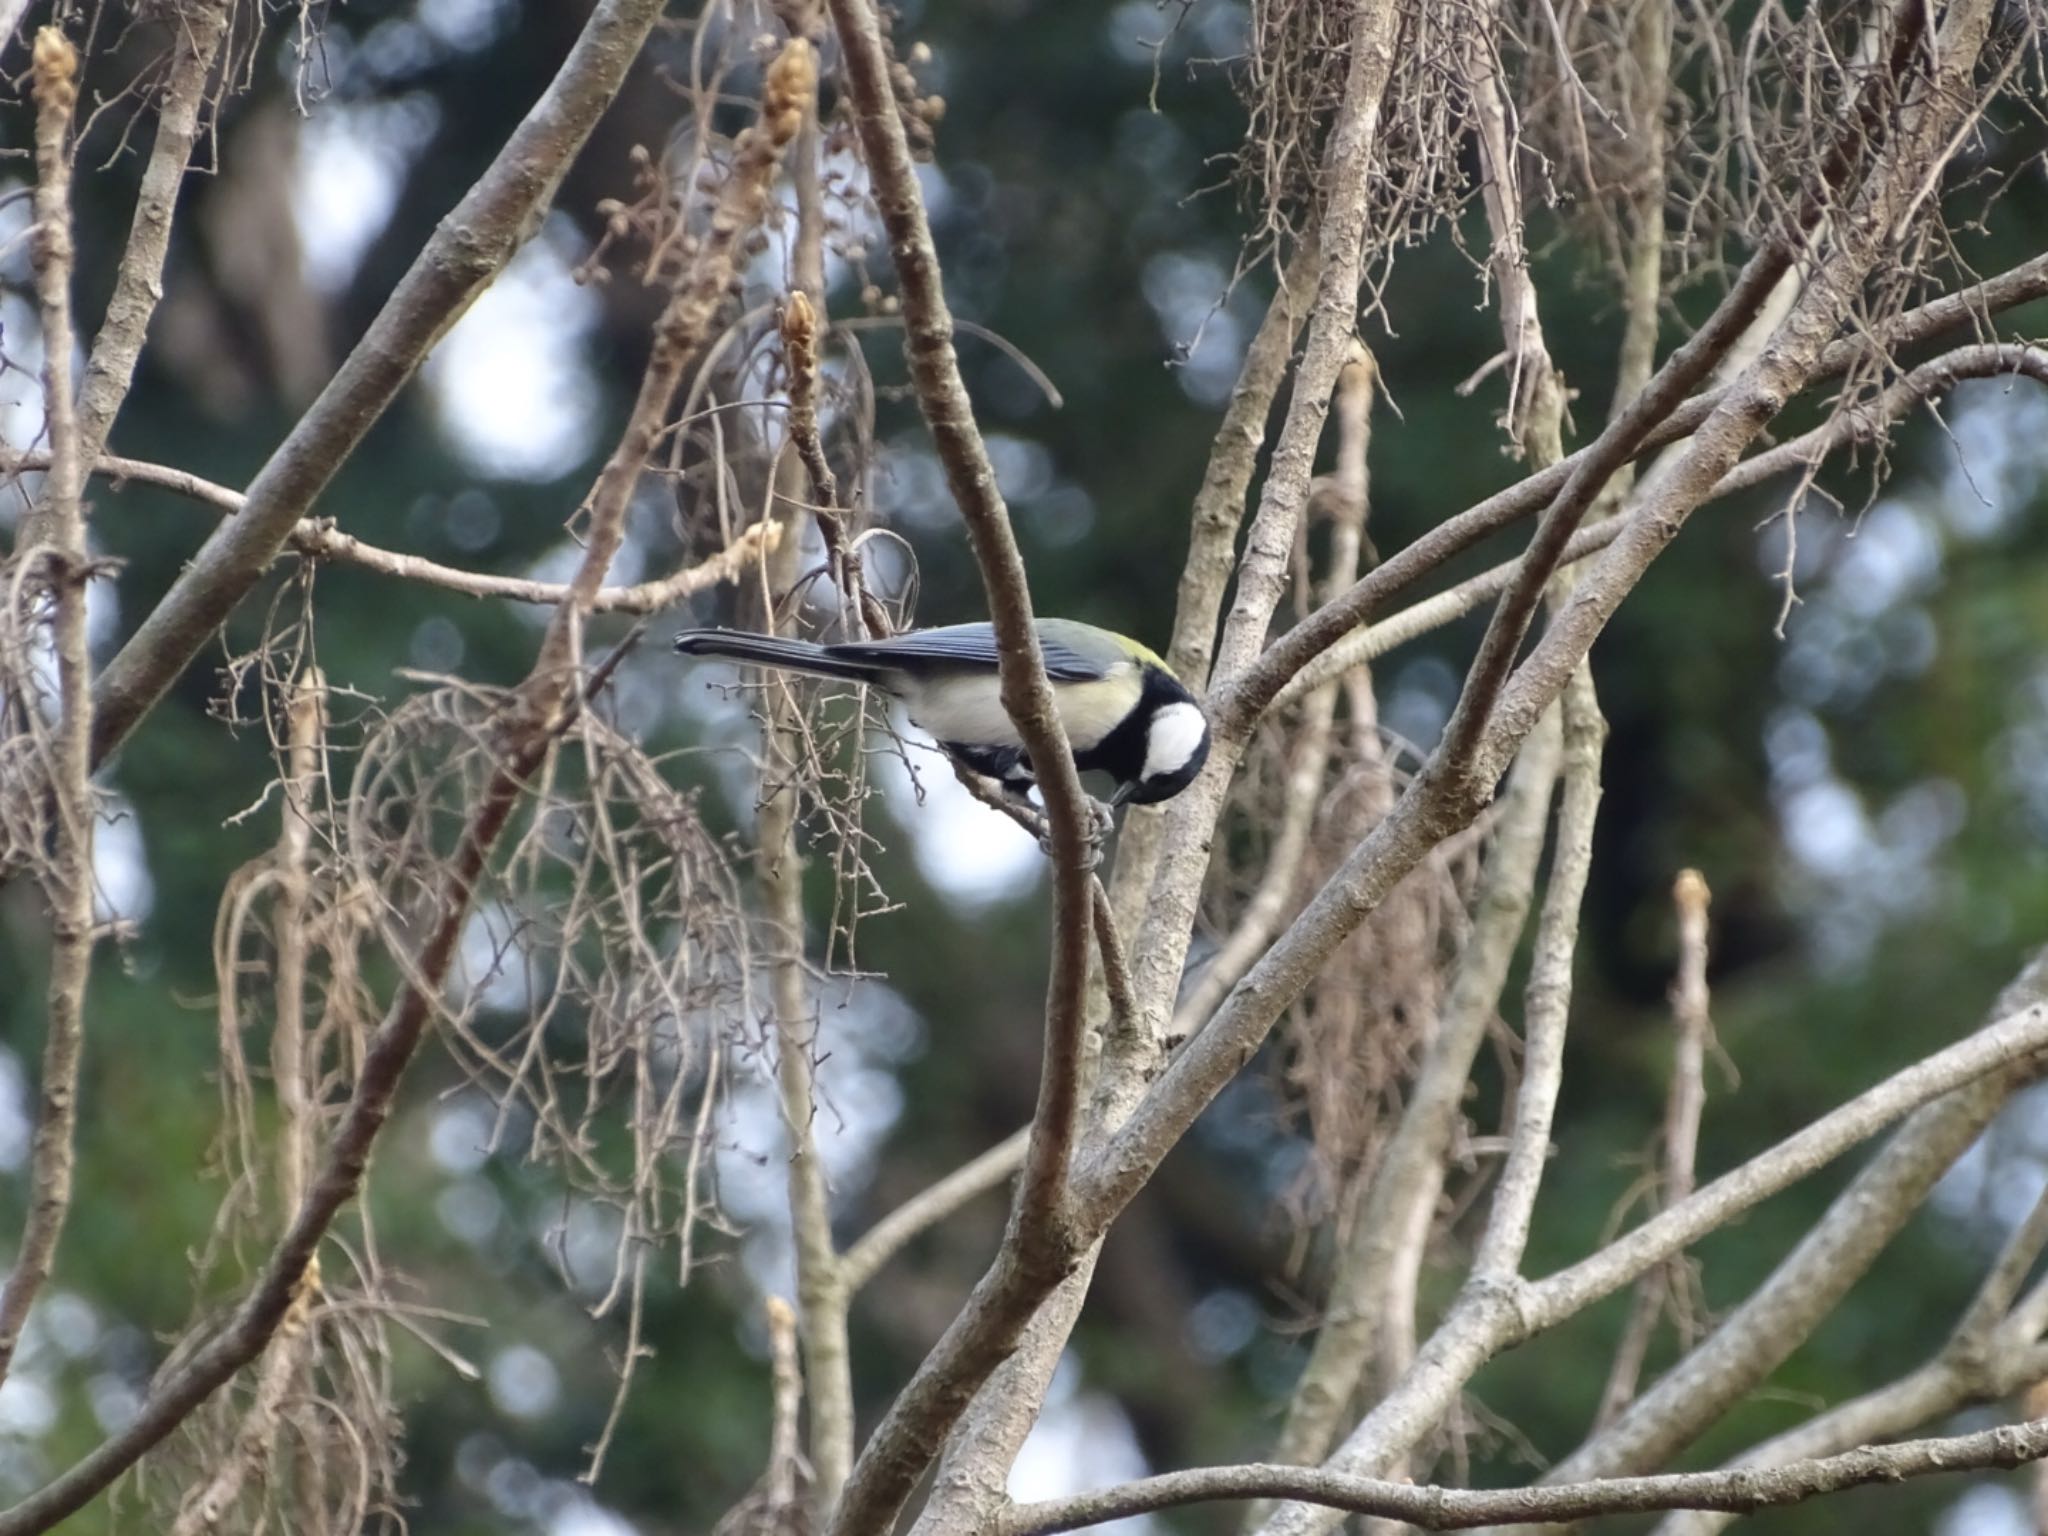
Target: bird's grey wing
x,y
968,645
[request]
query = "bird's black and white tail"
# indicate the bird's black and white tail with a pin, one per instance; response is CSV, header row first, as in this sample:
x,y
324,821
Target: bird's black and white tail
x,y
803,656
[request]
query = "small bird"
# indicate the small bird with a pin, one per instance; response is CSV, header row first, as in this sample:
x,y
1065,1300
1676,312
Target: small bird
x,y
1125,713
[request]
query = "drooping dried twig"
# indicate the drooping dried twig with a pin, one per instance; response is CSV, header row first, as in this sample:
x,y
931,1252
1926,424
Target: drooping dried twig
x,y
257,1451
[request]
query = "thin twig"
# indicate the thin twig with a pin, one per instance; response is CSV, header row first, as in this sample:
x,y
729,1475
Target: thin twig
x,y
821,1296
1685,1102
319,539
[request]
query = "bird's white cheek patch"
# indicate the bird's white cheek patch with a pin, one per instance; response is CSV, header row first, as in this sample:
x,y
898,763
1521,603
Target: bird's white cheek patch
x,y
1175,733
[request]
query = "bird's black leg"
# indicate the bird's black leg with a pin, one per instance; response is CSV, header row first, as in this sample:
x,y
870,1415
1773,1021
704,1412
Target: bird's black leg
x,y
1011,768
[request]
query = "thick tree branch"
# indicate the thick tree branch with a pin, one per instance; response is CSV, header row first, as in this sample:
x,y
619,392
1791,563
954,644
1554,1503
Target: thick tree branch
x,y
1755,1338
66,867
1487,1319
468,249
1991,1354
1262,569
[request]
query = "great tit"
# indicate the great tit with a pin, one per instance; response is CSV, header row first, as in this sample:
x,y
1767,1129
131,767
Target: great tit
x,y
1125,713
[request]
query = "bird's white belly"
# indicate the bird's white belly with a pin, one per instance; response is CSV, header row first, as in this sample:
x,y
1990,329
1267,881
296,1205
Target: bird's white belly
x,y
970,709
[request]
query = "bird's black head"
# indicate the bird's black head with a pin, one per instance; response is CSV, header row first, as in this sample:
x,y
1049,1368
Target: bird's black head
x,y
1175,741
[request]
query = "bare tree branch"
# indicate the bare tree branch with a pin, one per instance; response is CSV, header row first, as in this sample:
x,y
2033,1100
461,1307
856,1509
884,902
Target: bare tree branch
x,y
1487,1319
1302,798
926,1209
1683,1107
1409,1175
62,556
1863,423
1459,1509
1786,366
1214,520
196,32
469,248
821,1294
1291,654
542,708
1040,1245
1990,1355
1546,1006
319,539
1781,1313
1263,566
